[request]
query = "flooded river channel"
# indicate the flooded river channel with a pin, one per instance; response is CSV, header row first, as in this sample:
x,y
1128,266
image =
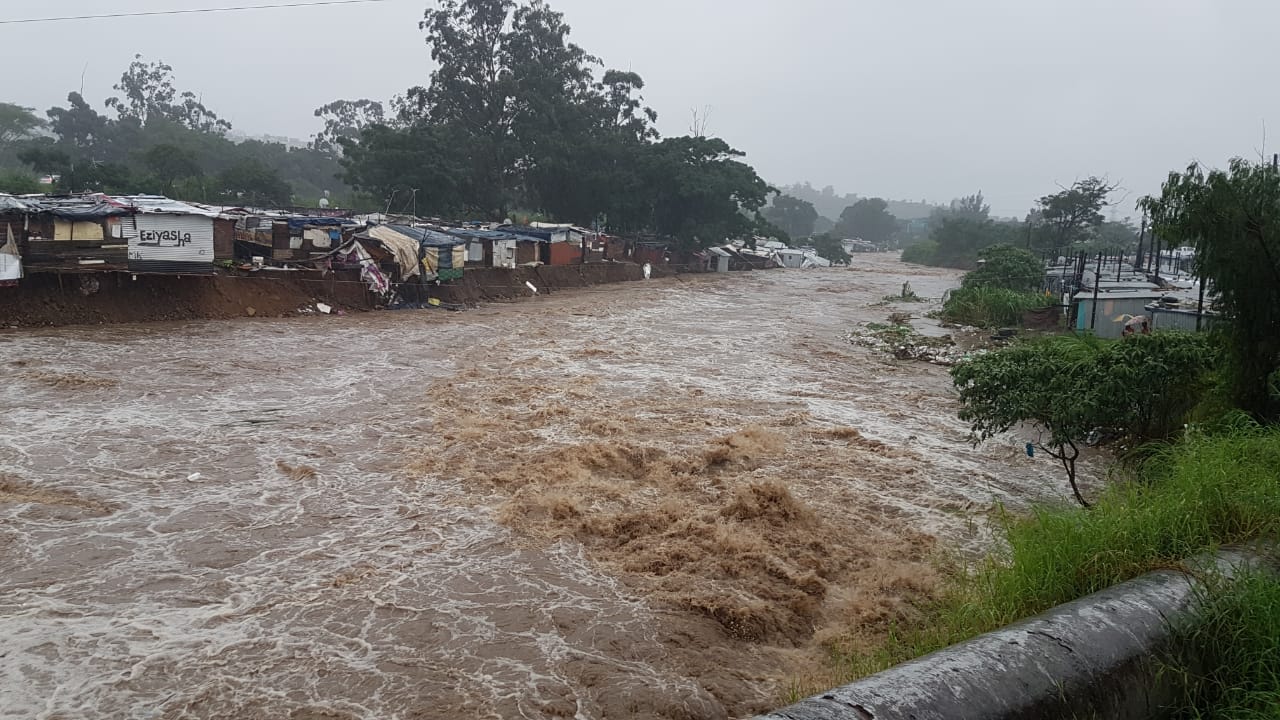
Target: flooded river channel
x,y
657,499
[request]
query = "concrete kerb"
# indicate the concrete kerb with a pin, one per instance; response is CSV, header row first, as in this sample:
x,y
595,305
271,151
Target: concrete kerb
x,y
1096,657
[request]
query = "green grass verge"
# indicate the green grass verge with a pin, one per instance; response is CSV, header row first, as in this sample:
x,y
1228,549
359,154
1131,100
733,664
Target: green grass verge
x,y
1182,499
989,307
1236,643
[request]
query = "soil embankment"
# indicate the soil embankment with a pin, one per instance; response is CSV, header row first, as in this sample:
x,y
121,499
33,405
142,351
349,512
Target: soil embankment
x,y
48,299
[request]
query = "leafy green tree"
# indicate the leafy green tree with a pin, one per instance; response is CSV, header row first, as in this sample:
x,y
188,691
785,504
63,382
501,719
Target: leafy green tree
x,y
346,119
1004,266
971,207
169,164
148,93
1069,388
17,123
471,89
794,216
831,248
868,219
18,183
1232,219
46,159
79,125
924,252
959,239
1070,214
252,183
700,190
421,167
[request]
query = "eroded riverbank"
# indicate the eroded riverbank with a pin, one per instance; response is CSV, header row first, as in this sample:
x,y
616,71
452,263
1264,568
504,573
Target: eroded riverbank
x,y
642,500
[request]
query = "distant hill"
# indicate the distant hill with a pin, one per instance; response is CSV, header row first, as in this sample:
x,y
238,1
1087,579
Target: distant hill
x,y
830,205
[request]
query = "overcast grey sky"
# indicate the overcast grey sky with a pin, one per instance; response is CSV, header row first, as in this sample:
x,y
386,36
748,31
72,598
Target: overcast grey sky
x,y
905,99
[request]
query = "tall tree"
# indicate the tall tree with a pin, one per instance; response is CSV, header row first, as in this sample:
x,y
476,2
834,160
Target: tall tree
x,y
16,123
868,219
1232,219
346,119
169,164
1069,214
471,89
971,207
700,190
253,183
796,217
78,125
148,93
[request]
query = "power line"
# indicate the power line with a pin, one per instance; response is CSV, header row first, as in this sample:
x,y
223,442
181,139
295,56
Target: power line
x,y
311,3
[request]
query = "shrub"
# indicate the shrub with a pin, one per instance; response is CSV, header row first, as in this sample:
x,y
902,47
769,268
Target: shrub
x,y
1140,388
1005,266
922,253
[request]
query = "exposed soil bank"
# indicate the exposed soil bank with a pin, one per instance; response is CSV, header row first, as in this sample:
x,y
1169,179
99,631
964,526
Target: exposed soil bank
x,y
504,284
48,299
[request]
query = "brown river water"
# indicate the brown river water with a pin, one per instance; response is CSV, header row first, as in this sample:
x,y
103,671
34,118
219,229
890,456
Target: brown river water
x,y
657,499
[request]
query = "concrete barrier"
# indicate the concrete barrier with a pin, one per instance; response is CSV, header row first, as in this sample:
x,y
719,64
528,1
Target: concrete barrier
x,y
1097,657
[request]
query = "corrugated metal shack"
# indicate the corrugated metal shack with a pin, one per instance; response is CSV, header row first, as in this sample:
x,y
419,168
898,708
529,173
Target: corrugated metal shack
x,y
1180,316
167,236
68,233
1114,310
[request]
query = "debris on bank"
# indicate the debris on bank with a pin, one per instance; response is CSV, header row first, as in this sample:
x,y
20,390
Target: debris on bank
x,y
904,342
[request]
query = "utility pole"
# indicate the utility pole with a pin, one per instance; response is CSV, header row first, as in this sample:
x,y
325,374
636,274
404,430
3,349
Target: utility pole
x,y
1200,305
1097,280
1142,236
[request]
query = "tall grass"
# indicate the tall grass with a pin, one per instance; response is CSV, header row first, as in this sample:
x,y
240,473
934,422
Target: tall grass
x,y
1235,644
987,307
1183,499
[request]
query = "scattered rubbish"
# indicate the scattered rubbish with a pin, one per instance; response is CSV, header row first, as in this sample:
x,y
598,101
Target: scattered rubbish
x,y
326,309
258,261
903,342
1031,450
193,477
535,290
250,311
648,270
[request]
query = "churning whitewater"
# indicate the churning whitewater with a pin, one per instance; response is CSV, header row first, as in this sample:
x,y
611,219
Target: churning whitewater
x,y
655,499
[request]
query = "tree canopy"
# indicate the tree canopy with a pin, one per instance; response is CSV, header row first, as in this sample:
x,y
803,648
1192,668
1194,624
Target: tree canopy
x,y
794,216
868,219
1008,267
517,116
1069,389
1068,216
1232,219
162,139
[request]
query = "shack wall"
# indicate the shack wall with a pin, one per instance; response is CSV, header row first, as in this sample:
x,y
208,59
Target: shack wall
x,y
169,243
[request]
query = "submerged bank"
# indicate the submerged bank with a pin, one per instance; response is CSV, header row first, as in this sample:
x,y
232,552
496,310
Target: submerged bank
x,y
655,499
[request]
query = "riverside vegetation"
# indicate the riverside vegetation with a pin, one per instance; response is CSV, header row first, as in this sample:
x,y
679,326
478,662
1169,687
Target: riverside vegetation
x,y
1198,462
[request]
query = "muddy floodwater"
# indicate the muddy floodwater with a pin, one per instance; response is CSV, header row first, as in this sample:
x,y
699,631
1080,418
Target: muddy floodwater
x,y
657,499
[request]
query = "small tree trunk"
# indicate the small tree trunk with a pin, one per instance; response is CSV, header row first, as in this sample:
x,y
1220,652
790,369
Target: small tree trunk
x,y
1068,461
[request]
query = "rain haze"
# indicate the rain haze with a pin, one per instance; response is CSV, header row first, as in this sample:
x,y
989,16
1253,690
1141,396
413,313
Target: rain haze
x,y
905,100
